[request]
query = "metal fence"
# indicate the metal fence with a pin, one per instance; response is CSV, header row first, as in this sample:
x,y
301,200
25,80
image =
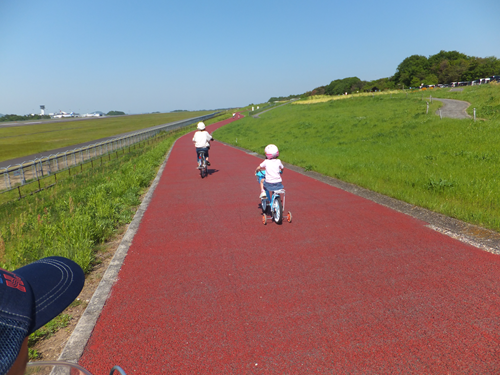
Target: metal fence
x,y
20,174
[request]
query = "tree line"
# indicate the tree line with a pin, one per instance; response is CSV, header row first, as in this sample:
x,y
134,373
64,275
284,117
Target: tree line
x,y
444,67
12,117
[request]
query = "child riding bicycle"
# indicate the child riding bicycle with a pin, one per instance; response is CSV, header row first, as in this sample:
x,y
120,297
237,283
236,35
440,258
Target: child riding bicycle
x,y
201,141
273,168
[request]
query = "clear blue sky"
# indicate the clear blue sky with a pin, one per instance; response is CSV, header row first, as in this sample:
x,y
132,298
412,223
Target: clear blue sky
x,y
152,55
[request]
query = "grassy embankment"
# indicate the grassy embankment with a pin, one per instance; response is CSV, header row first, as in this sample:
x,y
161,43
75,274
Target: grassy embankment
x,y
77,216
82,211
387,143
30,139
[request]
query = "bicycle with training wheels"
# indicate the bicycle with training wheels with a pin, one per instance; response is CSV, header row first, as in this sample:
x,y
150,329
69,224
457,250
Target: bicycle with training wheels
x,y
275,208
62,367
202,164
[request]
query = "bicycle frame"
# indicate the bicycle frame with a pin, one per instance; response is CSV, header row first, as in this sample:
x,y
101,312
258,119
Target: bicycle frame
x,y
202,161
281,194
202,164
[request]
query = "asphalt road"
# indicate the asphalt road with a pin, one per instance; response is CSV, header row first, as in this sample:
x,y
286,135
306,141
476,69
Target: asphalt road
x,y
351,286
40,122
16,161
453,108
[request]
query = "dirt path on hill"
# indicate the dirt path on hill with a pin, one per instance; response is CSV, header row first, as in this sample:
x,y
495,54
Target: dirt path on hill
x,y
453,108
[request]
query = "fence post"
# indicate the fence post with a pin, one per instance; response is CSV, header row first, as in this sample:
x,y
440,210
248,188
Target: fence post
x,y
427,112
7,178
23,178
474,114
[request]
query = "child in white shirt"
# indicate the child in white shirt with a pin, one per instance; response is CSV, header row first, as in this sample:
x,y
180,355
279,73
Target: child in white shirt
x,y
274,168
202,140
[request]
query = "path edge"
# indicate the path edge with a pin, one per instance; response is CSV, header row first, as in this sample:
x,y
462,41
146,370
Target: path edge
x,y
77,342
479,237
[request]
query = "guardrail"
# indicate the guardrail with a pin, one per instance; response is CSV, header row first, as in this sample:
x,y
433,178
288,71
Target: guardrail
x,y
13,177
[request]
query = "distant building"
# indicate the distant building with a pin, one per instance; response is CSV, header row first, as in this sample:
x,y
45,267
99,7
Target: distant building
x,y
93,114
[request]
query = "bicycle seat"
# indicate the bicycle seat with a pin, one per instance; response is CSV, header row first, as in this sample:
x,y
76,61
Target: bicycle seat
x,y
280,191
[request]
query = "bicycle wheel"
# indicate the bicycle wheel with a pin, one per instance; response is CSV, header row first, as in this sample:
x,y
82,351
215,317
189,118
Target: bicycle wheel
x,y
200,160
202,164
277,210
263,204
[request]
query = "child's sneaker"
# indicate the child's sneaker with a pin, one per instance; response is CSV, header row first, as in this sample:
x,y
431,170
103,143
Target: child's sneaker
x,y
208,163
262,194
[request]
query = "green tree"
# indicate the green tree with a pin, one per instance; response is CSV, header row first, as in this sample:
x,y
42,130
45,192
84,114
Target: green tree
x,y
341,86
411,67
415,82
431,79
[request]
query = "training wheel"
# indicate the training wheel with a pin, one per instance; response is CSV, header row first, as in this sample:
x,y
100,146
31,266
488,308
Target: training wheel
x,y
264,219
289,217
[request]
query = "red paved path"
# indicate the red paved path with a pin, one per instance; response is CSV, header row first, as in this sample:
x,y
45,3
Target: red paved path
x,y
349,287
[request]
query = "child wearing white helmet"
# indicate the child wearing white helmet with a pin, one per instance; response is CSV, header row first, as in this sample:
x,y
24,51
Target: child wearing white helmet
x,y
274,168
202,140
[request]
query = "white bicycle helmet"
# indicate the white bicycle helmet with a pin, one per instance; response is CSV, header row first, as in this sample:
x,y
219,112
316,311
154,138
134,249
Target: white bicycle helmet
x,y
201,125
272,151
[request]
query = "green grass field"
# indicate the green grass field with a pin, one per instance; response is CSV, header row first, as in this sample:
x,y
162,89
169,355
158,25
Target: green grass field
x,y
82,210
485,98
30,139
387,143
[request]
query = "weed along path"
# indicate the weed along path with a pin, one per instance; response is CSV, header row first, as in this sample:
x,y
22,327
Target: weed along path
x,y
350,286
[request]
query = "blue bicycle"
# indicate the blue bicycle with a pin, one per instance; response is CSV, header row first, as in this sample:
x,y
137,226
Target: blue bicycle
x,y
276,208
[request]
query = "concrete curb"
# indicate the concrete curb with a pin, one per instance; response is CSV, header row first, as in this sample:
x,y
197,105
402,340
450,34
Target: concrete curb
x,y
75,346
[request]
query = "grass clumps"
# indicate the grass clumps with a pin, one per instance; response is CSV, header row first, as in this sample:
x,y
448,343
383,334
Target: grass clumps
x,y
80,212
